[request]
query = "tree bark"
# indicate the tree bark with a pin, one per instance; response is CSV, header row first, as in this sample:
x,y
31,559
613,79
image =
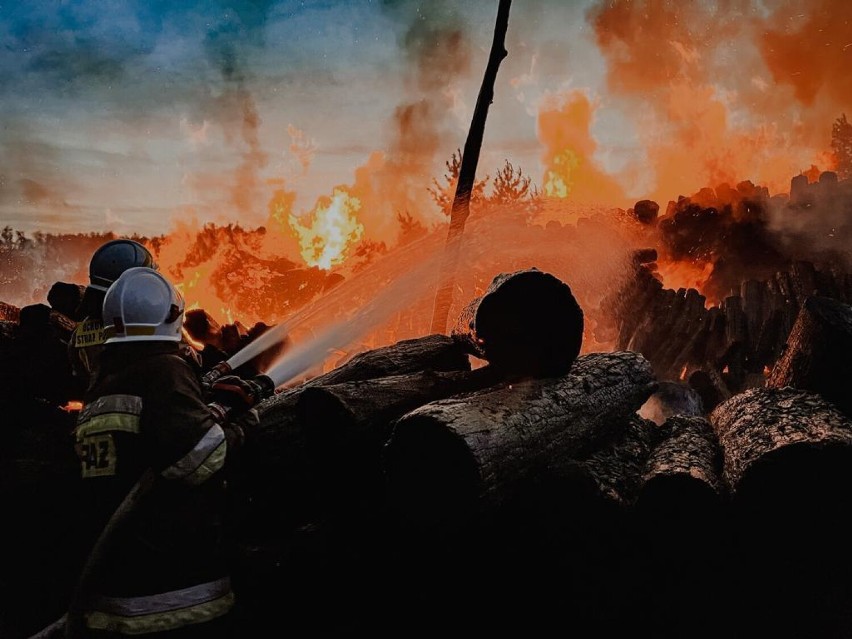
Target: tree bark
x,y
527,323
444,456
615,470
818,356
467,171
684,469
768,427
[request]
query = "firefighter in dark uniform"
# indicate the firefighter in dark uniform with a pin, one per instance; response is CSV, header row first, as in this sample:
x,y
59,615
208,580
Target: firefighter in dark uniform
x,y
164,570
106,264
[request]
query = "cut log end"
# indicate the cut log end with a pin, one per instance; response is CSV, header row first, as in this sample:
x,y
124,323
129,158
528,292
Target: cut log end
x,y
528,324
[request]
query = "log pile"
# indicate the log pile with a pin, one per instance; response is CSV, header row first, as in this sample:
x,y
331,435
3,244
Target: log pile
x,y
724,349
538,485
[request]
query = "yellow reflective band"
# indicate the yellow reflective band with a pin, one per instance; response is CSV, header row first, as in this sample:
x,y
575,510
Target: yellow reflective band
x,y
206,458
129,331
210,466
108,422
160,621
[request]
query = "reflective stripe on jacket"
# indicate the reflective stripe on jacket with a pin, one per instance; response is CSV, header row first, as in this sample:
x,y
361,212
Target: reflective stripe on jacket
x,y
161,612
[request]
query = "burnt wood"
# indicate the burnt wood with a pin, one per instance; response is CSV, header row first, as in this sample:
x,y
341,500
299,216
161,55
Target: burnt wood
x,y
684,470
774,429
526,323
445,456
818,354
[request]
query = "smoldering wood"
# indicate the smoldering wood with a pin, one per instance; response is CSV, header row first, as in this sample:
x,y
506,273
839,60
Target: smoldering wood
x,y
679,348
818,354
684,469
9,313
771,428
803,280
526,323
442,457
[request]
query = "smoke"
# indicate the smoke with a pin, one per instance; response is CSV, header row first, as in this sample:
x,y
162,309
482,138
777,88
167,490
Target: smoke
x,y
435,47
301,147
235,110
698,82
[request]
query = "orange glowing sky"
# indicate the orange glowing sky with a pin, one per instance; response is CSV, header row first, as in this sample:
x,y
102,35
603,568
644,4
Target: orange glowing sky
x,y
131,118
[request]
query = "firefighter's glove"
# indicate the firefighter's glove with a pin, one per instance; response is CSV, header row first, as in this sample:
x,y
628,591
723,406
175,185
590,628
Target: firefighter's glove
x,y
238,394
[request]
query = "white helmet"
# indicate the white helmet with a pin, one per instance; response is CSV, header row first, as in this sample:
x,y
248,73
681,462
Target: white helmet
x,y
142,306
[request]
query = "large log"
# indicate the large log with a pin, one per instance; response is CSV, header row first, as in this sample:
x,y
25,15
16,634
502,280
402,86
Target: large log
x,y
345,426
777,429
615,470
788,457
443,457
818,356
274,469
526,323
684,563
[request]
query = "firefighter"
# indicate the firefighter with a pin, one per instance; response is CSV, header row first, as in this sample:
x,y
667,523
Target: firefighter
x,y
163,569
107,263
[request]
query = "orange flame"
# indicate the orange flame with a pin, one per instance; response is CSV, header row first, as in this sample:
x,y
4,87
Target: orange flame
x,y
333,229
73,406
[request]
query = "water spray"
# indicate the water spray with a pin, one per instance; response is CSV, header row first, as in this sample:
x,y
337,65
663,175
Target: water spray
x,y
395,296
418,279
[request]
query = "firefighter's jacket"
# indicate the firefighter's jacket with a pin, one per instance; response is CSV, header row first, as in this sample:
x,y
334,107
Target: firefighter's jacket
x,y
164,567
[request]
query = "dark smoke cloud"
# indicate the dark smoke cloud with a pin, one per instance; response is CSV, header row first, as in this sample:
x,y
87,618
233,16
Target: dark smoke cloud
x,y
226,47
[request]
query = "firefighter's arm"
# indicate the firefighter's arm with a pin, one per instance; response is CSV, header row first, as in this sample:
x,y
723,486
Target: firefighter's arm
x,y
188,443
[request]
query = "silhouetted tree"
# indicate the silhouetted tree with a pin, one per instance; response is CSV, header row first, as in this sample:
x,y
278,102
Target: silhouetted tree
x,y
510,185
443,194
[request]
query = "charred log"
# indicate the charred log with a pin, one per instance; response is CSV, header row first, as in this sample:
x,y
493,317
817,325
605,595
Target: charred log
x,y
444,456
818,356
346,425
66,299
507,324
685,468
276,469
767,431
788,454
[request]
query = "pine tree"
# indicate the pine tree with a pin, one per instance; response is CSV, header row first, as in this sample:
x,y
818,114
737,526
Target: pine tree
x,y
444,194
510,185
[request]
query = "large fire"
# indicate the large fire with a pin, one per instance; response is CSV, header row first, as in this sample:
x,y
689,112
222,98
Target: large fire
x,y
700,103
333,229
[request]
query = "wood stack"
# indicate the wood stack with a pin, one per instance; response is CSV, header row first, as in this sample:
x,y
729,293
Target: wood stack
x,y
727,348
